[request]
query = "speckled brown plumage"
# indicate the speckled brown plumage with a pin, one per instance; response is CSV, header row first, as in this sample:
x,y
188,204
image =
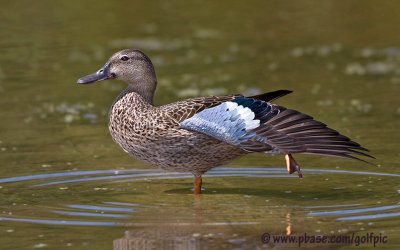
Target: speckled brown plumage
x,y
185,136
152,134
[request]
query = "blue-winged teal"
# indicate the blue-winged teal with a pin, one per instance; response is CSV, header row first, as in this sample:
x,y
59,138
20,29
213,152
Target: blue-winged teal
x,y
201,133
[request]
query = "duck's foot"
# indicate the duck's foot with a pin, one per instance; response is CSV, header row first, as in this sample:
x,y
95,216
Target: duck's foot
x,y
292,165
197,185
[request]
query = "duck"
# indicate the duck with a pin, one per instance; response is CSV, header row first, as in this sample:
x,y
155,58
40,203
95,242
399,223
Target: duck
x,y
197,134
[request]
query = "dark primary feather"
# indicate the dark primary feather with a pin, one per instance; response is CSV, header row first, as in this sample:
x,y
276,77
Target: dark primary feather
x,y
270,96
293,132
289,131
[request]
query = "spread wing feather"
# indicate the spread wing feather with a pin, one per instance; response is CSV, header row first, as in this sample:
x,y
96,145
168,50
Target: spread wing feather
x,y
295,132
279,130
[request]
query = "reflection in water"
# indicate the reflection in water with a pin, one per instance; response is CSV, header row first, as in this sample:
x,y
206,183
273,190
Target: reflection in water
x,y
156,240
288,228
183,237
194,236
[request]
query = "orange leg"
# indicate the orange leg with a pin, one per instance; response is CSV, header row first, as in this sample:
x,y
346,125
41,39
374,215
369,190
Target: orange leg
x,y
292,166
197,185
288,163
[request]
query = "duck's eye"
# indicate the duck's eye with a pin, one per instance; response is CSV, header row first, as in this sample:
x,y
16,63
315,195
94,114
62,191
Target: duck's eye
x,y
124,58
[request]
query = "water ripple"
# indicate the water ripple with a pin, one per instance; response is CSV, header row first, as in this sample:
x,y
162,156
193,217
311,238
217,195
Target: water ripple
x,y
353,211
370,216
118,210
61,222
77,173
101,208
90,214
227,171
328,206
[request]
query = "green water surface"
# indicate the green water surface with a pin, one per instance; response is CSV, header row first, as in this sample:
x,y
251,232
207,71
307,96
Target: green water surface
x,y
64,184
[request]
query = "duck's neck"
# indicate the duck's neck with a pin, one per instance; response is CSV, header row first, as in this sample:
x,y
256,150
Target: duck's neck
x,y
146,91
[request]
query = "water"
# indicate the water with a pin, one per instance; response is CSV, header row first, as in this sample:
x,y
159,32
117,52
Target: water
x,y
65,184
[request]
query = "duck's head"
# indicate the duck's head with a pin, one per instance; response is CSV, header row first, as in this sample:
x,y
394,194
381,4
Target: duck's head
x,y
131,66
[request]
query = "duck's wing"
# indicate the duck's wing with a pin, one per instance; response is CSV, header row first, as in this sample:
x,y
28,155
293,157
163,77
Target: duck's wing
x,y
270,96
182,110
259,126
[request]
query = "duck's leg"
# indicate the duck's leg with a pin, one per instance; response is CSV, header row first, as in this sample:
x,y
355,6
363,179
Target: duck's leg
x,y
292,165
197,185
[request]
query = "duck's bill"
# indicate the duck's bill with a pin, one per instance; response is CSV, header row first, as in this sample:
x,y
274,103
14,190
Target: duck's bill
x,y
100,75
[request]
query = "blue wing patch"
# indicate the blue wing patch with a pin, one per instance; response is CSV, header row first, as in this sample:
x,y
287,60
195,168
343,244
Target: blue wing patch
x,y
227,122
233,121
